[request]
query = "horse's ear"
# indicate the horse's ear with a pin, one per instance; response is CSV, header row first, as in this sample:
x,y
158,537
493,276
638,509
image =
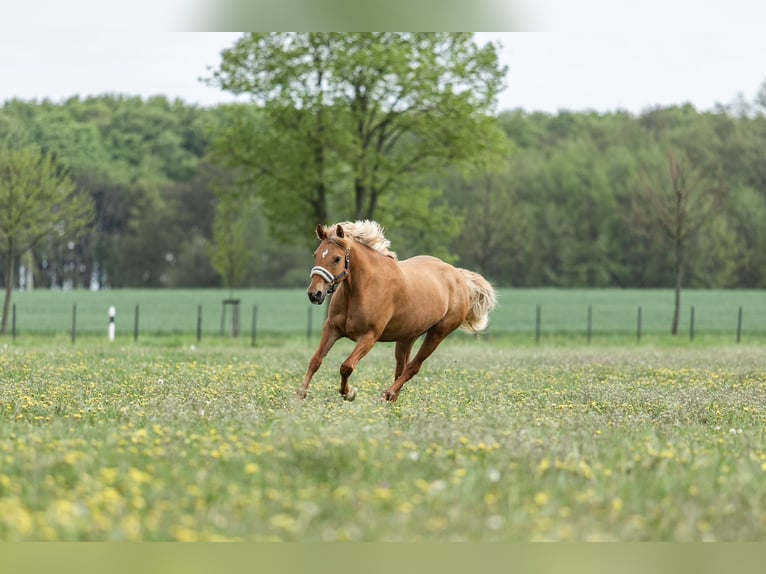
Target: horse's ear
x,y
339,231
321,232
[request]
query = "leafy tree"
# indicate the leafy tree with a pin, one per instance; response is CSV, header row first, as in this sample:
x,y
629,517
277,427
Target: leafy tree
x,y
344,120
37,198
139,160
560,210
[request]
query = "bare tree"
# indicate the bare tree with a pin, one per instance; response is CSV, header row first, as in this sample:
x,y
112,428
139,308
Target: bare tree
x,y
676,201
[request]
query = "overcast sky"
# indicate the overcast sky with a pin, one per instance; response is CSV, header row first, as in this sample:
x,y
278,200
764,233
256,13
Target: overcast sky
x,y
662,53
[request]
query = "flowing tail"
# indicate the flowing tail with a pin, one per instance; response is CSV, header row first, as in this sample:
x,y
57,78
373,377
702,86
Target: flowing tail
x,y
482,301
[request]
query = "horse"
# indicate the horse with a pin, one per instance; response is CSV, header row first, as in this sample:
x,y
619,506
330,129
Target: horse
x,y
376,297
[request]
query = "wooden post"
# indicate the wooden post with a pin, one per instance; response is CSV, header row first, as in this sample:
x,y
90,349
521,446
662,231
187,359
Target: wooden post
x,y
235,318
739,324
13,323
199,323
308,326
638,326
74,322
234,305
255,322
135,325
537,324
691,325
590,323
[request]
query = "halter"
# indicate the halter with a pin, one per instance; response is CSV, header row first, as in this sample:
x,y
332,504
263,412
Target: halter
x,y
333,280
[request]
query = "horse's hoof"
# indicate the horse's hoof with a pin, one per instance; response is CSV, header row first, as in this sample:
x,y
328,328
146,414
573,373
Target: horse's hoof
x,y
350,396
301,394
389,397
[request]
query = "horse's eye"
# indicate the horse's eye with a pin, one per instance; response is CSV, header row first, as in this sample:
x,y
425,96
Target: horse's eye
x,y
337,259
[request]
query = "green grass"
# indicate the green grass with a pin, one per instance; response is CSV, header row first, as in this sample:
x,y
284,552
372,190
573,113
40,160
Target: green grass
x,y
284,313
487,443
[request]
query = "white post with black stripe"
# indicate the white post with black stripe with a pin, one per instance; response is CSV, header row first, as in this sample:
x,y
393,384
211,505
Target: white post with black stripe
x,y
112,312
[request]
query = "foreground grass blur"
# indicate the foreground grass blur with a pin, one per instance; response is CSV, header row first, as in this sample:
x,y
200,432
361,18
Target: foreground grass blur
x,y
487,443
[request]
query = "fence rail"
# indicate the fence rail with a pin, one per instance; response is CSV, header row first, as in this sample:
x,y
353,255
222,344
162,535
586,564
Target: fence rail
x,y
538,313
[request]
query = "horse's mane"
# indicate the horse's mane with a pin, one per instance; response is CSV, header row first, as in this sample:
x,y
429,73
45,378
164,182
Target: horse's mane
x,y
366,232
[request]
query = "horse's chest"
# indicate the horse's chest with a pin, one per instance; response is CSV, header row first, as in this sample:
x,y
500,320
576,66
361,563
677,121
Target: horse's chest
x,y
356,324
353,321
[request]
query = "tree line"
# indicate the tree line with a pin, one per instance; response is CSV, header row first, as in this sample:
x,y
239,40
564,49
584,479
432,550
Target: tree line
x,y
400,128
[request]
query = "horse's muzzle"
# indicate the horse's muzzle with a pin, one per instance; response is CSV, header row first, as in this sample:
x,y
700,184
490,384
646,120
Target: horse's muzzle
x,y
316,296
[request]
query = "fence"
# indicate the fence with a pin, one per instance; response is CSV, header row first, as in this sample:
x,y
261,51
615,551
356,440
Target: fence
x,y
534,313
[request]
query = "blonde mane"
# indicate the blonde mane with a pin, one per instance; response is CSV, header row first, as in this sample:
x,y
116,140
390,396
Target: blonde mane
x,y
366,232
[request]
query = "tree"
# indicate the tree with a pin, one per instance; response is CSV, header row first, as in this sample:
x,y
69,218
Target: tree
x,y
137,159
37,198
677,201
345,119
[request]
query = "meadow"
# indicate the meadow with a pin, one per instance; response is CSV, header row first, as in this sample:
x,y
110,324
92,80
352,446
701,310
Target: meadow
x,y
490,442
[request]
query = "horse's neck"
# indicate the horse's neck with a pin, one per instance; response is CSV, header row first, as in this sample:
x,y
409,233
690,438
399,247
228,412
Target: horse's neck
x,y
362,265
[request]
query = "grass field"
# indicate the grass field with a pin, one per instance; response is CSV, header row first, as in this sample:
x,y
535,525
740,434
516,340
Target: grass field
x,y
488,443
563,313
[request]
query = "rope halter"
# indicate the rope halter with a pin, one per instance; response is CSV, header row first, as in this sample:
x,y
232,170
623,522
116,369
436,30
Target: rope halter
x,y
333,280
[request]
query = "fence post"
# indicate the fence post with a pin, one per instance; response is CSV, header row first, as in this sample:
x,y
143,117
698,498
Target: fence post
x,y
110,331
74,322
135,325
739,324
537,324
691,325
13,323
590,322
308,326
255,322
638,326
199,323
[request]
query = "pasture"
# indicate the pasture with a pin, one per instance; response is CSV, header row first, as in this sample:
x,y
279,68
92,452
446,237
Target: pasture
x,y
490,442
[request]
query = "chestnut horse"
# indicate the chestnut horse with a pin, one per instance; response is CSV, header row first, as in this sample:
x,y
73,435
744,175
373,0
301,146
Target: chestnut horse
x,y
378,298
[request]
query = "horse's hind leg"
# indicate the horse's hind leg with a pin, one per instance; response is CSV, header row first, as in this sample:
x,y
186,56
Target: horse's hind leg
x,y
433,338
402,354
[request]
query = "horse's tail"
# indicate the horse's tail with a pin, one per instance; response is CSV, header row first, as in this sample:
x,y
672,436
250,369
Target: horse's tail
x,y
482,301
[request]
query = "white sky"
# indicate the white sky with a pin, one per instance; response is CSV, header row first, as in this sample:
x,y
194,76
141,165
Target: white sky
x,y
595,54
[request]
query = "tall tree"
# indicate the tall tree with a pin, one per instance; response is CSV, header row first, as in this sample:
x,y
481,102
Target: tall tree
x,y
345,119
37,197
677,201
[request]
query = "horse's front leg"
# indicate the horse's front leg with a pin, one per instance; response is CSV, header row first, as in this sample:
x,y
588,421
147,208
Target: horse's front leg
x,y
329,336
363,346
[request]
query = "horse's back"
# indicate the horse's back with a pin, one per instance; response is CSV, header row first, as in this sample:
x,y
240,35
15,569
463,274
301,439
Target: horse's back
x,y
433,284
428,268
425,264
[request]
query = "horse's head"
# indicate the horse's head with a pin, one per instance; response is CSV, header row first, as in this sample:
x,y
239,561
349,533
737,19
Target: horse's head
x,y
330,263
